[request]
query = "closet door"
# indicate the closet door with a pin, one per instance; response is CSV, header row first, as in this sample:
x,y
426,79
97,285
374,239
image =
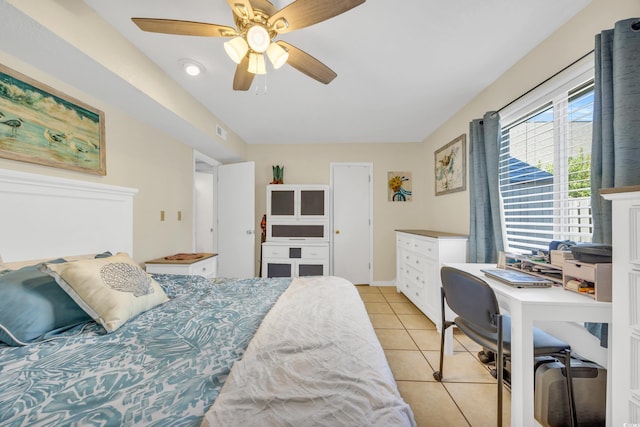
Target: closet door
x,y
352,249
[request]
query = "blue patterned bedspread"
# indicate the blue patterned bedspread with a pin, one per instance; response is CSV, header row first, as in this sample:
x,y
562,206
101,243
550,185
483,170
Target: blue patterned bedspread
x,y
162,368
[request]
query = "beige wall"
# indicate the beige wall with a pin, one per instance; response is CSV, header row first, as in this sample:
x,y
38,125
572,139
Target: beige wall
x,y
447,212
138,156
569,43
309,164
161,166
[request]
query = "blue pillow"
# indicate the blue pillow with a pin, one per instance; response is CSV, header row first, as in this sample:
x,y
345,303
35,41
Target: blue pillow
x,y
105,254
33,306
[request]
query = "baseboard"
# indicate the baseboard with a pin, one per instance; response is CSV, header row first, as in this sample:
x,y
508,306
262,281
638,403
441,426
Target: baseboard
x,y
384,283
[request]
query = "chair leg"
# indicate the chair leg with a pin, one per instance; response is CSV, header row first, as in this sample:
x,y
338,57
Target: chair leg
x,y
437,375
570,393
499,368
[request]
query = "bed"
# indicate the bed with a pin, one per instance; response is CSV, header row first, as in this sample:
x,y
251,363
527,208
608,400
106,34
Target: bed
x,y
218,352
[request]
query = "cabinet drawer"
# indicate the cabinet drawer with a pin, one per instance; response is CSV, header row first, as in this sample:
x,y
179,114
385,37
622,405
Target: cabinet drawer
x,y
580,270
404,242
206,268
426,247
295,251
415,276
315,252
275,251
415,261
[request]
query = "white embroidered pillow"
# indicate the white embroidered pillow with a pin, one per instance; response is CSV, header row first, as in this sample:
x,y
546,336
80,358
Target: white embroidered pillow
x,y
111,290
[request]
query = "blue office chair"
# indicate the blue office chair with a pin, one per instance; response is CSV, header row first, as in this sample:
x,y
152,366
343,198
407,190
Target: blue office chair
x,y
479,317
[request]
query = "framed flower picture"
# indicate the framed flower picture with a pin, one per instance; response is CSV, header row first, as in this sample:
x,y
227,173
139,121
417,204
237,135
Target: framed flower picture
x,y
451,167
399,186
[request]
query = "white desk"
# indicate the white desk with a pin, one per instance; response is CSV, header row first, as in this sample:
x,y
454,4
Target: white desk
x,y
525,307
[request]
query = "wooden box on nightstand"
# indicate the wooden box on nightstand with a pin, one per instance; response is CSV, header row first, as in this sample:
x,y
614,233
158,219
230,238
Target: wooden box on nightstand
x,y
598,275
202,264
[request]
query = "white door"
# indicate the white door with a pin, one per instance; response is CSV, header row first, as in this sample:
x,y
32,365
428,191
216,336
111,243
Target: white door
x,y
351,190
204,205
235,189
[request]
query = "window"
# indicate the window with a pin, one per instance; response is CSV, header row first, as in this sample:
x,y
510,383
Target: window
x,y
545,164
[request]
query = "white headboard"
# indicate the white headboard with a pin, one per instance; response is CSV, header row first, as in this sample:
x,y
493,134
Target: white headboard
x,y
43,216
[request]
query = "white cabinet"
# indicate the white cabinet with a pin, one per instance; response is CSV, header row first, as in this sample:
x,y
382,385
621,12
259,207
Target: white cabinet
x,y
287,201
206,265
624,364
295,259
297,241
419,256
297,212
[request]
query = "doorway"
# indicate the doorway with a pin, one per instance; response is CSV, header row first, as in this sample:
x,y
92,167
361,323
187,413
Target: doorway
x,y
204,212
224,213
352,221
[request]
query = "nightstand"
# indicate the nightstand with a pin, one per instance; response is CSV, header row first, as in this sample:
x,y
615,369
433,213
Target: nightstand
x,y
202,264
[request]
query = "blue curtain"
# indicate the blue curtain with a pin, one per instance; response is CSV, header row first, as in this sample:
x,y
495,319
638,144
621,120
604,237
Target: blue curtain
x,y
485,231
615,151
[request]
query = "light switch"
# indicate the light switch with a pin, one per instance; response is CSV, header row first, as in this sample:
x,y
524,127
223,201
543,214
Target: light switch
x,y
161,215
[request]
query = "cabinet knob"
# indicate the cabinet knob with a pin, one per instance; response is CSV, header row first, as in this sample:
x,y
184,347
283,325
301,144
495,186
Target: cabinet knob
x,y
337,231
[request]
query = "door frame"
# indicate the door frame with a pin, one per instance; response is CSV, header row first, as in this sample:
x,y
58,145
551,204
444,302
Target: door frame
x,y
198,159
368,165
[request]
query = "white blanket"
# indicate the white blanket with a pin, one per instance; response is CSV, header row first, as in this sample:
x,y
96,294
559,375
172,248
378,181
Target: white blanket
x,y
315,361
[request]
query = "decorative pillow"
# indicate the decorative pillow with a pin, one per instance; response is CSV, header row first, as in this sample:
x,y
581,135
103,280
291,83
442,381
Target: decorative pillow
x,y
111,290
33,307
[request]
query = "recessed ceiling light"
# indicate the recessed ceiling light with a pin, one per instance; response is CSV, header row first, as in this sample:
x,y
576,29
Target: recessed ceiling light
x,y
191,67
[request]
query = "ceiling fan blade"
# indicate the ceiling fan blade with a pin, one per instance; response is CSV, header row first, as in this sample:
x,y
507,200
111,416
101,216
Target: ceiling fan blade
x,y
241,8
307,64
184,28
302,13
242,79
264,5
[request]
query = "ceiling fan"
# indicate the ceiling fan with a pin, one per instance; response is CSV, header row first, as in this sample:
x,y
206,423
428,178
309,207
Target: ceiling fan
x,y
258,22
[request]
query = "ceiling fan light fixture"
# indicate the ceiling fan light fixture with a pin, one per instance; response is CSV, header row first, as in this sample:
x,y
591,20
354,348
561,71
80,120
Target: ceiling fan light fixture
x,y
256,64
258,38
236,49
277,55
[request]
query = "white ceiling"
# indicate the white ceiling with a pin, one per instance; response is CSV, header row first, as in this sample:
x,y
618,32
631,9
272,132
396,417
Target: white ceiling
x,y
403,67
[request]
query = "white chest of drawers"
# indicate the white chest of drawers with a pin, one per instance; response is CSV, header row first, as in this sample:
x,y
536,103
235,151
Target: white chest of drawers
x,y
624,356
419,256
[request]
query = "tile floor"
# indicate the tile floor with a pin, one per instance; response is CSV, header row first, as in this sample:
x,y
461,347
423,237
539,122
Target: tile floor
x,y
467,394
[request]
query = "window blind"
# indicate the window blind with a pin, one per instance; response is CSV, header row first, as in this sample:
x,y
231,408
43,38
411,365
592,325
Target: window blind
x,y
544,172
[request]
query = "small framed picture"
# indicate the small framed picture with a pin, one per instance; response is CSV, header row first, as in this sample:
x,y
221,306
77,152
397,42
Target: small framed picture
x,y
399,186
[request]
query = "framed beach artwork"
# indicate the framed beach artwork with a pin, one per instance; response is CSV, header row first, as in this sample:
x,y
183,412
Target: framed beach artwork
x,y
41,125
399,186
451,167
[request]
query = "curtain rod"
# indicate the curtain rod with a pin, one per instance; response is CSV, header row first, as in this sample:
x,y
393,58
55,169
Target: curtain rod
x,y
546,80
